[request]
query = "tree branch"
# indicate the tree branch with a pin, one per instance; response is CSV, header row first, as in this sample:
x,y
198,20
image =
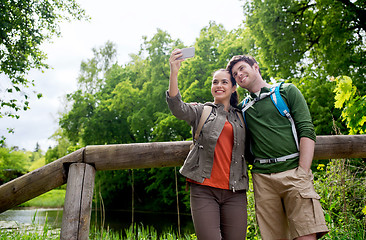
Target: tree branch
x,y
359,13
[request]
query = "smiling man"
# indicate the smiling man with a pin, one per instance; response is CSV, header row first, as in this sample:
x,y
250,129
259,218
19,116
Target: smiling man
x,y
287,206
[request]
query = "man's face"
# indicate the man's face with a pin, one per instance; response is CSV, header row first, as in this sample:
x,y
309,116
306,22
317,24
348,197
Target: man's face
x,y
244,74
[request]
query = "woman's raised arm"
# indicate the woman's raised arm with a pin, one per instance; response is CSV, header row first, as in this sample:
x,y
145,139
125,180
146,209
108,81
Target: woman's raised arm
x,y
174,69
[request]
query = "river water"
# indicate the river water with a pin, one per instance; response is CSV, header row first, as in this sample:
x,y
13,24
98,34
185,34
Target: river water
x,y
115,220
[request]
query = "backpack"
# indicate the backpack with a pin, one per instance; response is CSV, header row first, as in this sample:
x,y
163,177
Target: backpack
x,y
282,108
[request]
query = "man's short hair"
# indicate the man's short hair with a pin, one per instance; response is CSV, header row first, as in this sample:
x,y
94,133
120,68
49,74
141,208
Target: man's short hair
x,y
239,58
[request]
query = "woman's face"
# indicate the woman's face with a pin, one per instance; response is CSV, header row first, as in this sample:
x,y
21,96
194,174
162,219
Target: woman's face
x,y
222,88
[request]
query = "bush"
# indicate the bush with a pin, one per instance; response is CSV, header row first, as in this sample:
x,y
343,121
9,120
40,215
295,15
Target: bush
x,y
342,185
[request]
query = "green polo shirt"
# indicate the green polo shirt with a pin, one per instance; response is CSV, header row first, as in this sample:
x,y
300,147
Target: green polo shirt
x,y
270,132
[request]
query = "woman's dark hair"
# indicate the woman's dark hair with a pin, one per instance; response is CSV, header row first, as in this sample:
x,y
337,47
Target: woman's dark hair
x,y
234,99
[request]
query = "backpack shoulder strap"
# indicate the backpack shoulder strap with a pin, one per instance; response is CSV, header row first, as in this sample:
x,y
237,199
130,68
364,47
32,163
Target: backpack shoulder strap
x,y
244,106
240,115
283,109
205,113
278,100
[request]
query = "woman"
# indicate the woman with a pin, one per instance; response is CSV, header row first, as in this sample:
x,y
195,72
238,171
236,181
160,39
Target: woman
x,y
215,167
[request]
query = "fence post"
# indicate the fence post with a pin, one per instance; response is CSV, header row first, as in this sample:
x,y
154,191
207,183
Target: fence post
x,y
78,202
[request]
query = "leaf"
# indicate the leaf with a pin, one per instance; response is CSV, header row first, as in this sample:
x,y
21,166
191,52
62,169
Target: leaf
x,y
328,218
344,90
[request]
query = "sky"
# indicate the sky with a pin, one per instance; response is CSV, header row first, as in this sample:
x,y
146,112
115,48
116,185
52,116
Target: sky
x,y
122,22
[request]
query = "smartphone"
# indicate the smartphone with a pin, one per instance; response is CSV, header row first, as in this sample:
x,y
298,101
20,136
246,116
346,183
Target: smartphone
x,y
187,53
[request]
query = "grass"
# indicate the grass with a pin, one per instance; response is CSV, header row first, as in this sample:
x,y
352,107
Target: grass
x,y
137,232
141,232
30,232
52,199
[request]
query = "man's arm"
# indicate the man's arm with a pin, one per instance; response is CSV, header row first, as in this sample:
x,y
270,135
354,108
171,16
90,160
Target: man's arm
x,y
307,146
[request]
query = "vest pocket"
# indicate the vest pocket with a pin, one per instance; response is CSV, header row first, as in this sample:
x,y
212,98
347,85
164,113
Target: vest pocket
x,y
192,160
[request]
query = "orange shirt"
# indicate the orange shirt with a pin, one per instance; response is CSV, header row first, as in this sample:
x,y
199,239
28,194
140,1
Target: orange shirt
x,y
220,173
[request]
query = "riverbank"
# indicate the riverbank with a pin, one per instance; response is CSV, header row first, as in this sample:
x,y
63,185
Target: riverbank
x,y
15,231
116,221
44,213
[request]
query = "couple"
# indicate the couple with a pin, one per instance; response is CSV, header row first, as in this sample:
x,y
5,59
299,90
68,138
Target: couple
x,y
287,206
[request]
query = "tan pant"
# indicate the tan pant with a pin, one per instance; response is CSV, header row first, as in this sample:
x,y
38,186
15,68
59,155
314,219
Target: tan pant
x,y
287,205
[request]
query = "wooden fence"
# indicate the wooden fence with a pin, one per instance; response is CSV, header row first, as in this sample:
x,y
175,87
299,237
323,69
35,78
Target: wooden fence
x,y
78,171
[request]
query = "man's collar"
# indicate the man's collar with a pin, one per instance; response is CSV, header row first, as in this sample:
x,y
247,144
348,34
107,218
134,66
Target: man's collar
x,y
263,90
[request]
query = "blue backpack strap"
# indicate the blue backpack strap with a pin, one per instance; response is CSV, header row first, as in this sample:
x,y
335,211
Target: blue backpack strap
x,y
283,109
278,101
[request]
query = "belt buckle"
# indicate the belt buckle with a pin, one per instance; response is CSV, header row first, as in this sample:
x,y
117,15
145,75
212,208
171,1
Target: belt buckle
x,y
272,160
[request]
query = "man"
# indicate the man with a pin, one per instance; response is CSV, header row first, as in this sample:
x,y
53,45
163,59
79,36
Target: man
x,y
287,206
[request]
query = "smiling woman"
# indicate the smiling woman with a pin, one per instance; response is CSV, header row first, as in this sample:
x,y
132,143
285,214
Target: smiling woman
x,y
215,167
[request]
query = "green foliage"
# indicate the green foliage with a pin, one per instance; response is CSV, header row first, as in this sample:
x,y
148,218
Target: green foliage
x,y
37,164
28,234
310,40
33,231
252,225
196,73
169,128
92,120
25,26
161,185
138,232
61,149
13,163
292,34
319,96
341,185
113,185
352,104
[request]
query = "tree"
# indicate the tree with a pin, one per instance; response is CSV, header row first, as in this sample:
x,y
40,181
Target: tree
x,y
84,121
13,163
61,149
307,42
151,80
319,96
196,74
24,27
214,47
37,148
92,71
292,36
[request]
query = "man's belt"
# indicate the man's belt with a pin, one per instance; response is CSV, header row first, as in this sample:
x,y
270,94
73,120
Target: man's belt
x,y
274,160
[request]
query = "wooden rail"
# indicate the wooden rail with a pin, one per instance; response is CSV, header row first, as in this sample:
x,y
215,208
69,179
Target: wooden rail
x,y
78,170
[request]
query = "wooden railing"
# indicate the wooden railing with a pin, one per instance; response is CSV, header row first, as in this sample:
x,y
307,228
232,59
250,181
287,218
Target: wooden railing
x,y
78,171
